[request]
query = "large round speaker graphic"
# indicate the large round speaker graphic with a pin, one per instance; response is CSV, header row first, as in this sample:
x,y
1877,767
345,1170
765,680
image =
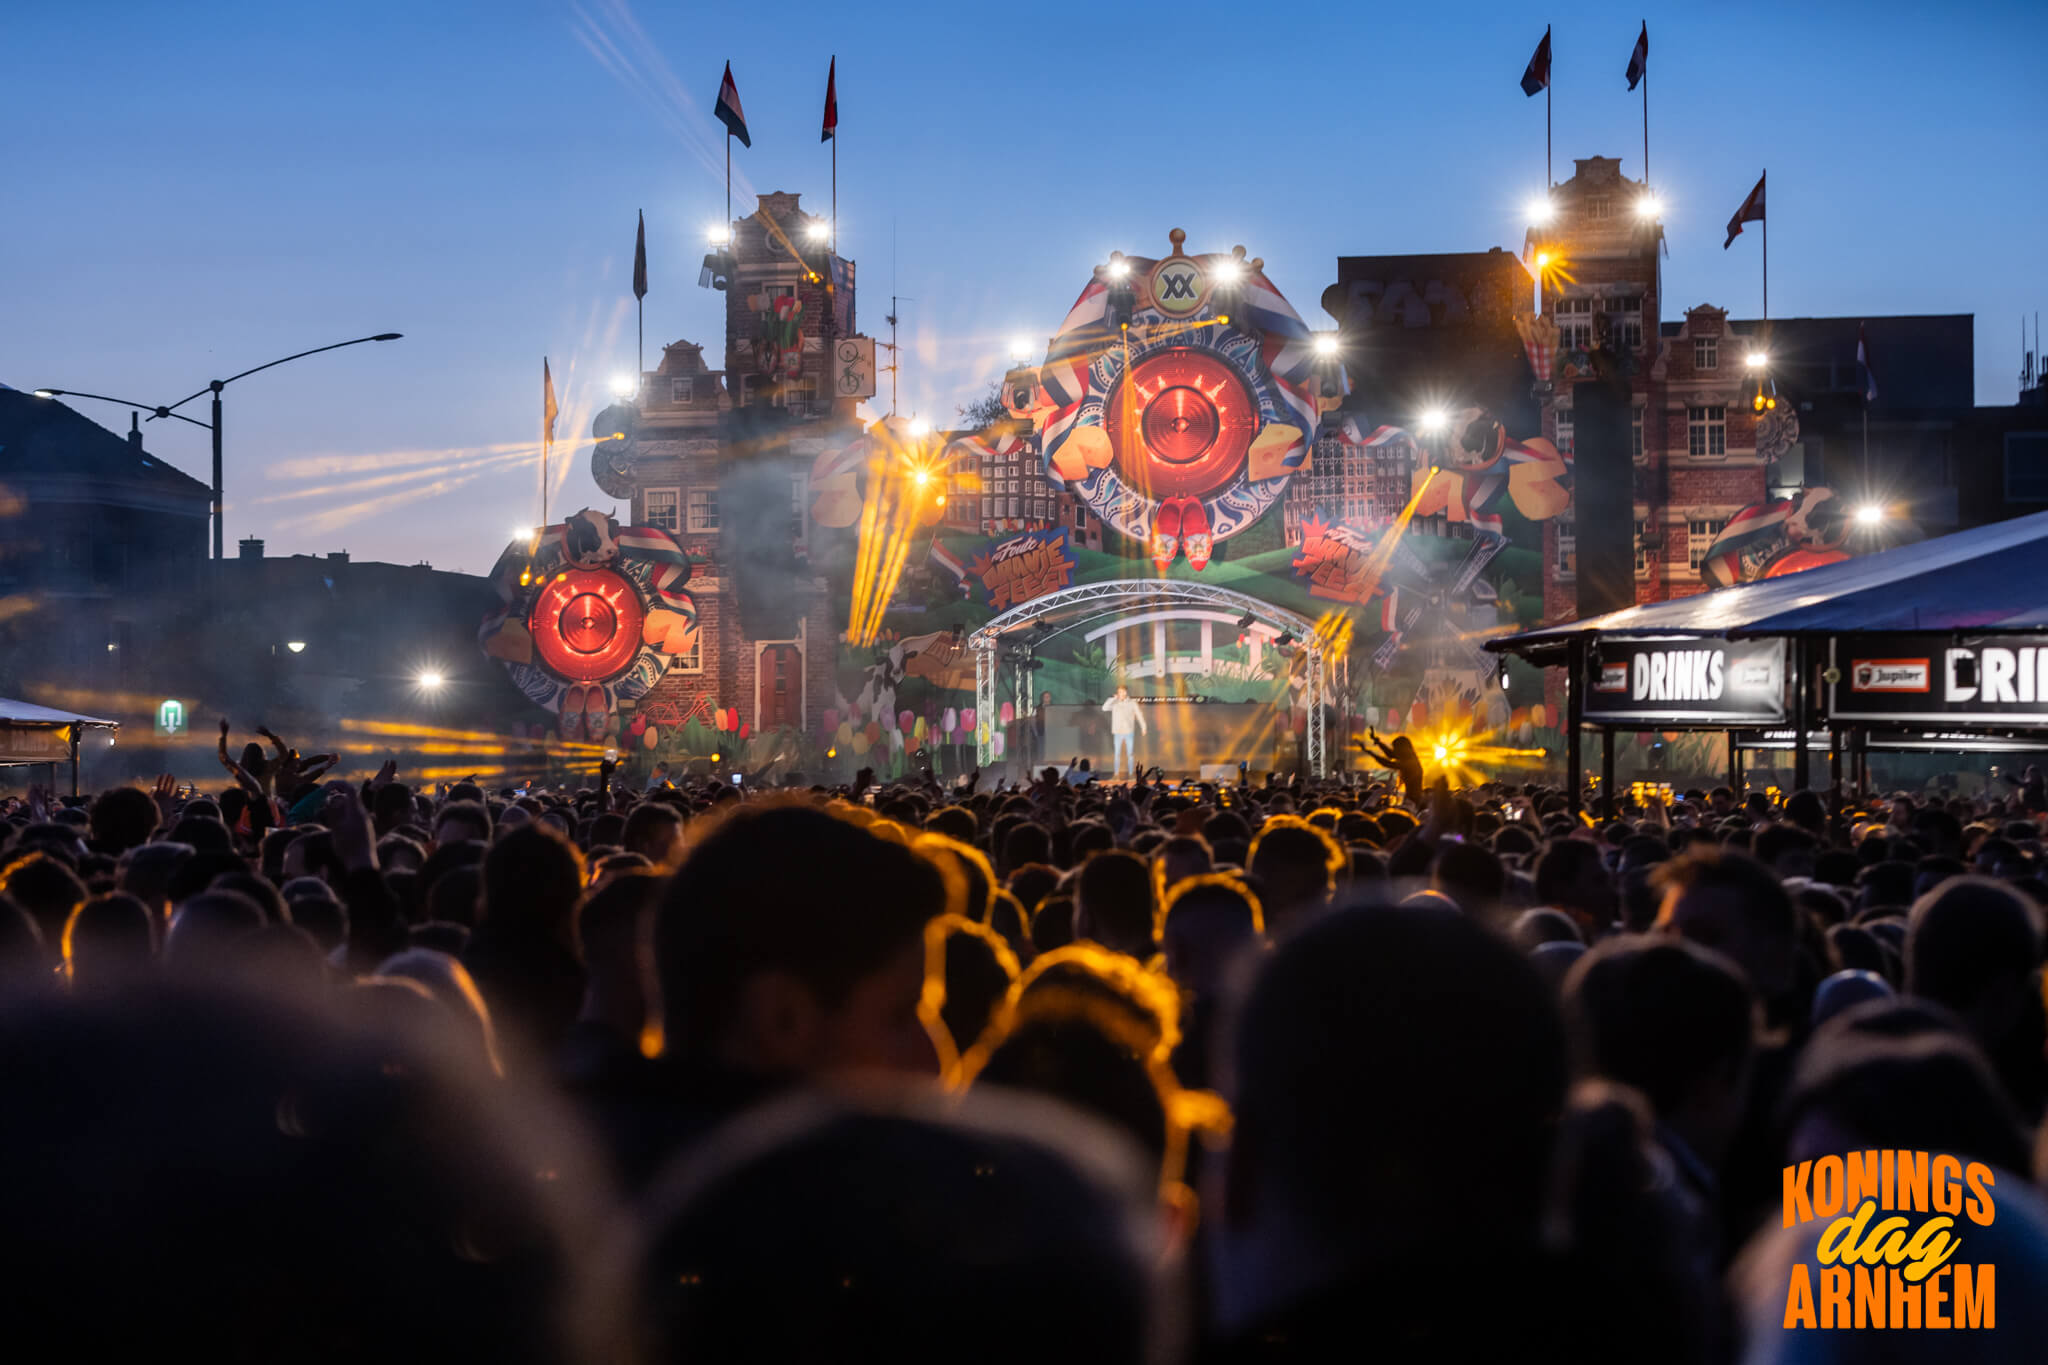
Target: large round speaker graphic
x,y
1194,420
586,624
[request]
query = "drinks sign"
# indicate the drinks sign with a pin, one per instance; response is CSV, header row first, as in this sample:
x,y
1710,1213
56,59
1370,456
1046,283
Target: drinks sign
x,y
1986,679
1658,682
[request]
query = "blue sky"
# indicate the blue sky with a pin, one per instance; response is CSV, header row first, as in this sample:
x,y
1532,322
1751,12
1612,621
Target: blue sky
x,y
198,188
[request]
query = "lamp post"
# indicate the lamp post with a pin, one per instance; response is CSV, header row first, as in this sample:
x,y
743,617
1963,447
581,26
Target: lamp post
x,y
214,387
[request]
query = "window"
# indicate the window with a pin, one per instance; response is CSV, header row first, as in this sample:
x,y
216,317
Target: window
x,y
662,509
682,390
691,660
1625,311
1706,353
703,509
1706,431
2026,466
1699,534
1599,206
1564,432
1642,553
1567,549
1635,432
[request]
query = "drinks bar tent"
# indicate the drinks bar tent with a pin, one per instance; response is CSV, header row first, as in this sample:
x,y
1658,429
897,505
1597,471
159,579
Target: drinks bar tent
x,y
31,734
1942,644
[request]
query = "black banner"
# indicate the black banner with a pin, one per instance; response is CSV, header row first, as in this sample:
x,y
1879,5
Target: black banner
x,y
1997,680
1603,489
1653,683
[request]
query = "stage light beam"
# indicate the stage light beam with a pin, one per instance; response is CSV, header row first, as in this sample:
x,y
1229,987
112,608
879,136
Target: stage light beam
x,y
1869,514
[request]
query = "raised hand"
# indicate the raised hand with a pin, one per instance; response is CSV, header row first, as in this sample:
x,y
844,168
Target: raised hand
x,y
354,842
387,774
165,794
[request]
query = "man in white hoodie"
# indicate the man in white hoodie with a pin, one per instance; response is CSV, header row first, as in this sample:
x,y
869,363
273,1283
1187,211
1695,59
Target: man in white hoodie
x,y
1126,721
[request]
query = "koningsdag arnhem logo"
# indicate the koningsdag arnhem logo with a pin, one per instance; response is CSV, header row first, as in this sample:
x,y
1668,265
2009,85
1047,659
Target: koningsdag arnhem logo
x,y
1892,1254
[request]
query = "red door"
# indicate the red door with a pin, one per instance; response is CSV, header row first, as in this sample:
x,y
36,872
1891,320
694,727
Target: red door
x,y
780,685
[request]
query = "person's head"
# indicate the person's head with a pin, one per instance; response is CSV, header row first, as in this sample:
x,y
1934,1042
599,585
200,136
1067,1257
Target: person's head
x,y
779,965
1001,1220
1113,903
1972,944
1208,920
1571,876
147,872
1026,843
1673,1020
975,967
449,983
236,1164
46,888
613,922
1395,1077
109,938
123,818
1541,925
1296,867
462,820
1787,850
654,830
532,879
1470,874
209,933
976,879
1122,692
1733,905
1856,1089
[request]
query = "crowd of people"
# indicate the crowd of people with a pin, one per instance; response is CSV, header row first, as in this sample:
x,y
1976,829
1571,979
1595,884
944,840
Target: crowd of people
x,y
361,1070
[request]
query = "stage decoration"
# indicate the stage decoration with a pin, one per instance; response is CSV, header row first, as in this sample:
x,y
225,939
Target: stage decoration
x,y
1771,539
1482,465
591,616
611,464
1183,429
1023,567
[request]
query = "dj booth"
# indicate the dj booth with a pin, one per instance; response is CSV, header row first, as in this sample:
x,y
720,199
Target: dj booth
x,y
1181,736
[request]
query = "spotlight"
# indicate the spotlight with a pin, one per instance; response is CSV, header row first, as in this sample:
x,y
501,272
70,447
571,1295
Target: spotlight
x,y
1756,360
1503,675
1869,514
717,236
1226,272
1542,259
715,757
1435,420
624,385
1020,350
430,681
1119,268
1244,622
296,646
1649,207
1442,753
922,478
1541,210
941,500
1286,639
919,428
46,393
1326,343
819,230
832,752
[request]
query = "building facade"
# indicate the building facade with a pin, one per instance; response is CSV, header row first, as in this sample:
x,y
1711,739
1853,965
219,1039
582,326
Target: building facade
x,y
721,457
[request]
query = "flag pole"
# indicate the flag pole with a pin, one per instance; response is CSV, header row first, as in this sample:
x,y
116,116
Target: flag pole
x,y
728,189
640,352
1646,122
1549,80
544,448
1762,180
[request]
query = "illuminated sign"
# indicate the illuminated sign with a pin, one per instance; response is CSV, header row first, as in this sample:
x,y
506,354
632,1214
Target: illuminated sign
x,y
170,717
1655,682
1988,679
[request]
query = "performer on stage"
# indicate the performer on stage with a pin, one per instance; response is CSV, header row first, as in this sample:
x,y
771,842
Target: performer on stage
x,y
1126,722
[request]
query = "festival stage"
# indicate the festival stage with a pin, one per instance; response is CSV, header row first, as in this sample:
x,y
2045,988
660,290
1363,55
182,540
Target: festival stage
x,y
1181,737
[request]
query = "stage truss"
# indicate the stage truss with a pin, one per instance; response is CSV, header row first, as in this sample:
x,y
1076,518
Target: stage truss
x,y
1079,607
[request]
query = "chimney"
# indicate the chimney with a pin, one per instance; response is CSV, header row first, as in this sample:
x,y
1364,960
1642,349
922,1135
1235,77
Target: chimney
x,y
252,548
135,432
337,556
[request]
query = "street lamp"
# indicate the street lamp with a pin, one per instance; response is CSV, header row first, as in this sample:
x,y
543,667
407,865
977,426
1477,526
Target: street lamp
x,y
214,387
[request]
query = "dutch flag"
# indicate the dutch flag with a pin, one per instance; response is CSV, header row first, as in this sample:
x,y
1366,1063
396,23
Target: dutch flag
x,y
946,560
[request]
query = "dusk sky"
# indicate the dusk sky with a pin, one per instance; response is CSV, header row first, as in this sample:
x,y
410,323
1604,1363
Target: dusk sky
x,y
195,189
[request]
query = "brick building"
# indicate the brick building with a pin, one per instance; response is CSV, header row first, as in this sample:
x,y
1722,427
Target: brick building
x,y
1693,434
721,458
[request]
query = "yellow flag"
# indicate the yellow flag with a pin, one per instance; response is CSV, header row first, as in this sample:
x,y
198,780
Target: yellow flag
x,y
548,406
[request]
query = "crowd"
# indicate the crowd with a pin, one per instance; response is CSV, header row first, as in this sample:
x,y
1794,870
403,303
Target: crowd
x,y
363,1071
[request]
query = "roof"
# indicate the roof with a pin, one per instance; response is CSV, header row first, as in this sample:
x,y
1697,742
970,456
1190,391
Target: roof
x,y
28,713
1921,361
1975,580
42,436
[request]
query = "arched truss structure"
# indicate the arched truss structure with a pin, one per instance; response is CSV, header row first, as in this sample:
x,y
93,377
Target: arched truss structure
x,y
1090,605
